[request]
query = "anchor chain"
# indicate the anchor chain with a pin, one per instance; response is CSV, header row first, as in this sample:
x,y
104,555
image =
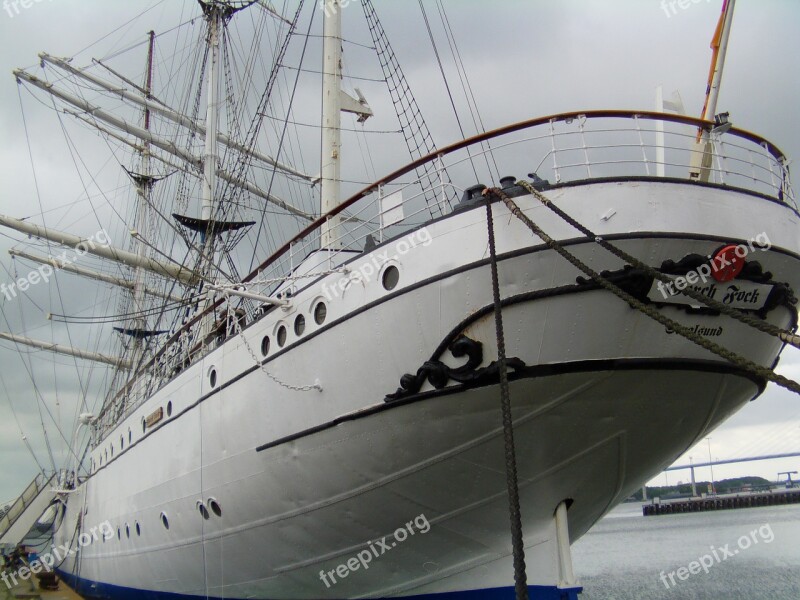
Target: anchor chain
x,y
238,328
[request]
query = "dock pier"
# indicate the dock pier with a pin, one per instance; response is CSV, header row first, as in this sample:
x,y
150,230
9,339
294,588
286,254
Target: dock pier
x,y
724,502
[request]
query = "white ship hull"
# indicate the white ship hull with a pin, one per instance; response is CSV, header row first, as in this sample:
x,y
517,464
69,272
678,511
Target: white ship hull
x,y
603,398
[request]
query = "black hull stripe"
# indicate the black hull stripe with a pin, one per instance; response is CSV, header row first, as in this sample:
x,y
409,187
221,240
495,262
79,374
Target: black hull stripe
x,y
539,371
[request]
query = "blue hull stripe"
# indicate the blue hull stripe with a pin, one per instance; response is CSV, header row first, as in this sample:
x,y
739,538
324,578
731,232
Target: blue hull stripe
x,y
106,591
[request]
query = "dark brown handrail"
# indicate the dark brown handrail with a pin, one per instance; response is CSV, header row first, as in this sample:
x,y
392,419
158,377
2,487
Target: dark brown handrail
x,y
488,135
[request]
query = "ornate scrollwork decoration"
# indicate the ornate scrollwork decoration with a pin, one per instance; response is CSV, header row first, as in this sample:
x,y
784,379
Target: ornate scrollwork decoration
x,y
439,374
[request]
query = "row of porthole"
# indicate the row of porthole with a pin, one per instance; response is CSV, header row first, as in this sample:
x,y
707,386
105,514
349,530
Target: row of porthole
x,y
320,314
105,456
136,525
128,531
144,421
390,279
212,504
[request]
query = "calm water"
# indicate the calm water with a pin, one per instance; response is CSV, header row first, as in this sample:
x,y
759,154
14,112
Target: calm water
x,y
623,556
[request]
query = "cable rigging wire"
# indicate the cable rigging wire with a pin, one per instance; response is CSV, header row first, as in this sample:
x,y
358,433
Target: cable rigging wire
x,y
416,133
263,104
466,87
447,87
19,426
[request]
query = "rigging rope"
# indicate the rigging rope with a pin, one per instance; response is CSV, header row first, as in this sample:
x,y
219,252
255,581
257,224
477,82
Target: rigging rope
x,y
466,87
19,426
447,87
418,138
261,111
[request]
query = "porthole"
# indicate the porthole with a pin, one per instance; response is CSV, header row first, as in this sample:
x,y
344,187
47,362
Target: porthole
x,y
127,531
391,277
203,510
265,345
281,336
119,535
130,436
138,529
121,443
299,325
112,450
164,520
212,378
215,507
320,313
169,408
144,425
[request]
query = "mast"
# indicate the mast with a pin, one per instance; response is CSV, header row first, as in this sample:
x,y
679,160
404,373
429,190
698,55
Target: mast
x,y
144,184
90,274
703,154
164,144
205,225
331,121
334,101
172,270
162,109
720,47
66,350
210,153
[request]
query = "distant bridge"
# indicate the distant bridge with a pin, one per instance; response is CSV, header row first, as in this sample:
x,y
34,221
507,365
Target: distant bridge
x,y
731,460
693,466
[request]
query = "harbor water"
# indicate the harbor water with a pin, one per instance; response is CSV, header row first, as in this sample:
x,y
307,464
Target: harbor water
x,y
744,554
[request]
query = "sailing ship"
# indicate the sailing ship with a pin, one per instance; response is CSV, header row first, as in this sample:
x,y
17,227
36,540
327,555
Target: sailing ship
x,y
306,401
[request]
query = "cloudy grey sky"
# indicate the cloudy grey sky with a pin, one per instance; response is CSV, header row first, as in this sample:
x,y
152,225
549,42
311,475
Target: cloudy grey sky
x,y
526,58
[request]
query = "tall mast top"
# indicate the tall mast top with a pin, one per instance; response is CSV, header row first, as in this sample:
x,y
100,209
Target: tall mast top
x,y
702,157
719,45
334,101
214,17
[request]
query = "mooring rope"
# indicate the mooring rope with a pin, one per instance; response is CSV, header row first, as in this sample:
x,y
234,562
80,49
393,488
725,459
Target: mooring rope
x,y
763,326
681,330
512,483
